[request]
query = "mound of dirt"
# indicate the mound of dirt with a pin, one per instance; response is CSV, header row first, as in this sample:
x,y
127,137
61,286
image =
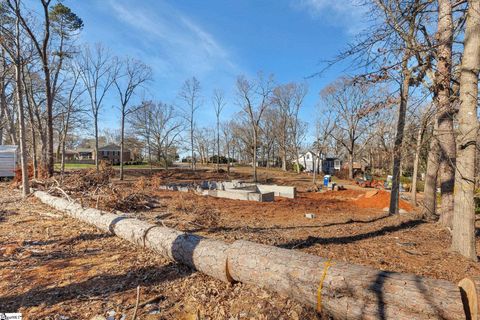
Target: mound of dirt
x,y
380,200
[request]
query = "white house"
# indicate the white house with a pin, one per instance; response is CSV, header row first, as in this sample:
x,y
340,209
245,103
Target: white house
x,y
308,161
326,164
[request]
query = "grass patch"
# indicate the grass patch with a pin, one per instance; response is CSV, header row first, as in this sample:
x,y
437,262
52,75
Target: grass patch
x,y
75,166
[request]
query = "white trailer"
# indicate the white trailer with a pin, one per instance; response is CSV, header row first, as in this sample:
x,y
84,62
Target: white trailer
x,y
8,161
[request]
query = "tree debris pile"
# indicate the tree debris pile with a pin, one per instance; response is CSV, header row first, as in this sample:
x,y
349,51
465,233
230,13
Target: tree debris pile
x,y
95,189
85,180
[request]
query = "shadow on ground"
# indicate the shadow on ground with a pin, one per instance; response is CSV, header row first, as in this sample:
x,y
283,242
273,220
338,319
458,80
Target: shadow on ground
x,y
311,241
94,287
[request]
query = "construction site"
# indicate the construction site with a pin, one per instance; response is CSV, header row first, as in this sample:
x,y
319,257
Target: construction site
x,y
62,268
239,160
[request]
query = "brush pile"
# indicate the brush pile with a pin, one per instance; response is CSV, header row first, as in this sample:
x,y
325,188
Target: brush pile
x,y
95,188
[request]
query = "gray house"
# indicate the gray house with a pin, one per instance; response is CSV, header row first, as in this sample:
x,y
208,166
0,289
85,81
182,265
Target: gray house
x,y
8,161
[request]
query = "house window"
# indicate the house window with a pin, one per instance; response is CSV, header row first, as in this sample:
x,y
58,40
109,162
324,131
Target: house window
x,y
308,156
337,164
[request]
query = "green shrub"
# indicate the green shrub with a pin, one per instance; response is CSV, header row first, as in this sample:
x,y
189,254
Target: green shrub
x,y
420,186
295,167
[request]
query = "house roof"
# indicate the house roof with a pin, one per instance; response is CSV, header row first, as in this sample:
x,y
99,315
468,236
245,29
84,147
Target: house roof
x,y
324,156
109,147
83,150
8,148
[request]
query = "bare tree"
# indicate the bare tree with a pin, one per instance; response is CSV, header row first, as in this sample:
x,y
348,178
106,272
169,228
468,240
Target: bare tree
x,y
71,111
218,105
463,236
204,139
254,98
424,120
271,132
228,137
288,99
190,95
7,113
64,23
445,113
13,46
141,124
325,126
355,108
98,71
160,126
133,75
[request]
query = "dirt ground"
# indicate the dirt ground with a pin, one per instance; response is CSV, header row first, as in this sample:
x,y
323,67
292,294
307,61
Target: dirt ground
x,y
53,267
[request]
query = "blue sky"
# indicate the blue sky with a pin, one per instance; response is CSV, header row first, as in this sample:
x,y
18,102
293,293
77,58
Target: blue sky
x,y
217,40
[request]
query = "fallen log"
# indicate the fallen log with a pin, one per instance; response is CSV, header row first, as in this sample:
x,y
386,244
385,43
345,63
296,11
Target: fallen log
x,y
344,290
338,289
205,255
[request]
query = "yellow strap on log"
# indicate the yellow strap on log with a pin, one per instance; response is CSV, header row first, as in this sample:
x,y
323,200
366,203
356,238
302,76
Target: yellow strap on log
x,y
326,266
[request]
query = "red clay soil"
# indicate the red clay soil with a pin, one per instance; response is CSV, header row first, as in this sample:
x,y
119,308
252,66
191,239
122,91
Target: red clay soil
x,y
379,201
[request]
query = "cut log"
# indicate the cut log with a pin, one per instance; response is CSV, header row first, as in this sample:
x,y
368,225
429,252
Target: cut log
x,y
338,289
470,290
348,291
205,255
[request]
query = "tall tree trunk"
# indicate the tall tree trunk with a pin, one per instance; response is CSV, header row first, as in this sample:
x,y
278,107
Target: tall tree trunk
x,y
2,120
21,116
254,162
8,115
372,162
397,149
34,151
463,236
218,144
122,142
297,154
62,165
429,210
96,141
34,140
418,149
59,148
50,155
228,157
446,137
350,165
149,147
284,156
43,154
11,126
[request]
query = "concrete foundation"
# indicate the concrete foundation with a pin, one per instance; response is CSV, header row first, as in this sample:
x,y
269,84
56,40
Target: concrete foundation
x,y
279,191
242,194
235,189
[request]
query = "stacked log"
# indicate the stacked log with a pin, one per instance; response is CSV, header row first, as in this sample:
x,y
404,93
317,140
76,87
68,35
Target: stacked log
x,y
338,289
